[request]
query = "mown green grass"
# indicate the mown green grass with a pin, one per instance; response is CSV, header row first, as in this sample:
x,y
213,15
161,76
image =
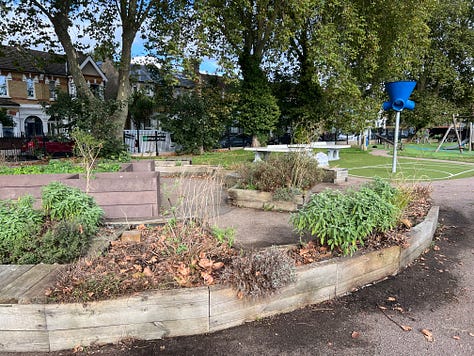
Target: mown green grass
x,y
428,151
225,158
364,164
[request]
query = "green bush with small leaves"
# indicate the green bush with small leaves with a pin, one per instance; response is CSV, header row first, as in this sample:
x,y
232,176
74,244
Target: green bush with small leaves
x,y
343,220
61,202
20,225
63,242
59,233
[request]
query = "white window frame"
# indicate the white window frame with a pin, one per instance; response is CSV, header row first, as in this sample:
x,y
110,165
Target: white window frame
x,y
7,78
30,84
72,88
53,94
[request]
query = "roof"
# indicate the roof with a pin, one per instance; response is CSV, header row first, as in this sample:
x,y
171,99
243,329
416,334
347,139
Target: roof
x,y
27,60
33,61
144,74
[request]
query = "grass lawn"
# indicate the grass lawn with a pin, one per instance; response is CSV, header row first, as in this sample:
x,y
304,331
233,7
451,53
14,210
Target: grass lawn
x,y
364,164
448,151
224,158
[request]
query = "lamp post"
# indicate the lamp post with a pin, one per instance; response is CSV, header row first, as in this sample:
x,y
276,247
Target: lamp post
x,y
398,93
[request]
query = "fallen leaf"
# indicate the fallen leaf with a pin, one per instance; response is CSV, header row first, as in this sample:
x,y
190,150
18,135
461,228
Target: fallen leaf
x,y
205,263
208,279
141,227
406,222
183,270
406,328
436,248
137,275
147,271
400,309
355,334
77,348
428,334
471,334
382,308
391,299
455,337
217,265
88,263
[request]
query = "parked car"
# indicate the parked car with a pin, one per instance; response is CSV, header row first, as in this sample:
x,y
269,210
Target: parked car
x,y
45,145
236,141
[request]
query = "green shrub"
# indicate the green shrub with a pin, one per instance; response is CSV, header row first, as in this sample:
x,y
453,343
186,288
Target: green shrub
x,y
61,202
289,170
20,224
224,235
63,242
344,220
260,273
60,233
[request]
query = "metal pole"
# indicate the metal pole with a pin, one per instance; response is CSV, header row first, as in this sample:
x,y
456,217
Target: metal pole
x,y
395,142
471,136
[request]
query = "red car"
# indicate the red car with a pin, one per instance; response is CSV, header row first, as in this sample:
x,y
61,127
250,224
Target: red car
x,y
47,146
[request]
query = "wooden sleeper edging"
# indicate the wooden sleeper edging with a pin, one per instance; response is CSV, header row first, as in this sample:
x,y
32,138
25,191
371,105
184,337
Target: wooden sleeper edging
x,y
158,314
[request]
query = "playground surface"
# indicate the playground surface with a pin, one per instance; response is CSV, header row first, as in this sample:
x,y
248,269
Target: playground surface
x,y
414,169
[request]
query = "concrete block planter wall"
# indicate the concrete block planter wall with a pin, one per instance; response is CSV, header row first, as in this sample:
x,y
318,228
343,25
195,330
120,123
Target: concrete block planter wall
x,y
258,199
157,314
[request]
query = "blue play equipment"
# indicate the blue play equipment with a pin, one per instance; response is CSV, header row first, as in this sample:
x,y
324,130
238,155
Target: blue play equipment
x,y
398,94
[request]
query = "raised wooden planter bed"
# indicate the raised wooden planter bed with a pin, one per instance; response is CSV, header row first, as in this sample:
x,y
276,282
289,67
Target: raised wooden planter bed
x,y
131,193
157,314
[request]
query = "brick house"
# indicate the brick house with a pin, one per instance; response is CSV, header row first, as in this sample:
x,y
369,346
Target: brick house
x,y
29,79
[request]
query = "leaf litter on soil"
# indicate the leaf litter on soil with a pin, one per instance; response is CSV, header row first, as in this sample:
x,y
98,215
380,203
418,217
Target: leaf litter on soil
x,y
187,255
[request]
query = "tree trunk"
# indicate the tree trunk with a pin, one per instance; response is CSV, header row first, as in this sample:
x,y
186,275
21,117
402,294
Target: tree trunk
x,y
61,25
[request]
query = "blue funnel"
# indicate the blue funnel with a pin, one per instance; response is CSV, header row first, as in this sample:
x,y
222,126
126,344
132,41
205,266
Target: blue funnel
x,y
398,93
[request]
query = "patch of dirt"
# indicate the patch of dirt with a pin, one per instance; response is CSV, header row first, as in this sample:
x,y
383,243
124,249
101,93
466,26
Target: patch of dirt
x,y
173,255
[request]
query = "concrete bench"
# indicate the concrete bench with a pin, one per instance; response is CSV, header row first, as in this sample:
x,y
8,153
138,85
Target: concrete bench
x,y
264,152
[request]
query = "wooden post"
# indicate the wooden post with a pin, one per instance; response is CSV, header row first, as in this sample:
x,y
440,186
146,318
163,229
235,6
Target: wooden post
x,y
444,137
458,137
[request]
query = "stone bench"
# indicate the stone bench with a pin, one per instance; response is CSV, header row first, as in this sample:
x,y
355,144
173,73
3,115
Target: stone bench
x,y
262,153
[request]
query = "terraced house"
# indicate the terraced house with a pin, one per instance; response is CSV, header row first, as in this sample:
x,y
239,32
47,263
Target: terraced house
x,y
30,79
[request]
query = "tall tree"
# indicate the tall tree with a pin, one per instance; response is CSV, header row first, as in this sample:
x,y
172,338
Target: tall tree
x,y
244,32
34,21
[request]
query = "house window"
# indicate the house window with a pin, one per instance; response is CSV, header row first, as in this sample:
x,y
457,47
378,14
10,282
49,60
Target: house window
x,y
97,90
3,85
53,94
72,89
30,88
